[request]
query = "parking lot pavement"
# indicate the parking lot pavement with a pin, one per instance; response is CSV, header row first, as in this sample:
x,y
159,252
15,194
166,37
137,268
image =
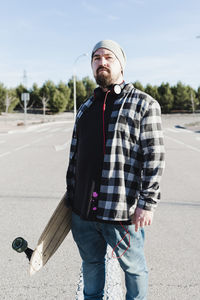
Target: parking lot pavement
x,y
16,121
32,180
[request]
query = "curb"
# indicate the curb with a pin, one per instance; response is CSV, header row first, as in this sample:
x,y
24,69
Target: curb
x,y
29,128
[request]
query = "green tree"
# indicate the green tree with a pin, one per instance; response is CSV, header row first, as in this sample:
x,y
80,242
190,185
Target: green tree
x,y
19,90
198,97
47,93
12,100
2,98
193,103
48,89
182,97
165,97
89,85
152,91
138,85
57,102
35,96
65,91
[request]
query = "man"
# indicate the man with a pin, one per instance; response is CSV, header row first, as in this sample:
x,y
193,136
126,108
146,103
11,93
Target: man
x,y
116,161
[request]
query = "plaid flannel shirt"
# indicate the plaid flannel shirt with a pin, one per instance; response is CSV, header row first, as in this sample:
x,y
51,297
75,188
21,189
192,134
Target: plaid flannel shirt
x,y
133,160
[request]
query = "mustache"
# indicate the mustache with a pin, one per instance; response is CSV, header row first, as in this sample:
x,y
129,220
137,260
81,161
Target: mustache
x,y
103,69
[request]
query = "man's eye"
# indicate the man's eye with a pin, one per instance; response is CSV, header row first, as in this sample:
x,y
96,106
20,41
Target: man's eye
x,y
110,57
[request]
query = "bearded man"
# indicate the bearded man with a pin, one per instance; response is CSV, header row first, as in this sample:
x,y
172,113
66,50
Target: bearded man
x,y
115,167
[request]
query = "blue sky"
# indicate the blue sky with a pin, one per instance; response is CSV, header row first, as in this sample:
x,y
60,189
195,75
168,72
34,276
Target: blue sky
x,y
44,37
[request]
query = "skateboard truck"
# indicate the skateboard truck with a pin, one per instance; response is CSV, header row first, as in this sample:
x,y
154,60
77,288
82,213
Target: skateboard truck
x,y
20,245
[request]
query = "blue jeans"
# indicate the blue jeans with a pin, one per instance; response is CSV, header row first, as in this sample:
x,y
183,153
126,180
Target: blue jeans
x,y
92,239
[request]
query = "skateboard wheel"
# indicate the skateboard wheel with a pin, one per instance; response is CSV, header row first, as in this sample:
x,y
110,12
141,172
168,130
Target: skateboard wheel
x,y
19,244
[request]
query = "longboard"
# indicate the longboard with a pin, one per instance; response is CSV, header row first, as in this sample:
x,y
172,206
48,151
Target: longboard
x,y
51,238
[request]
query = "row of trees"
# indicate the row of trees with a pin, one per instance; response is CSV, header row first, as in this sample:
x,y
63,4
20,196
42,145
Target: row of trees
x,y
178,98
51,97
59,98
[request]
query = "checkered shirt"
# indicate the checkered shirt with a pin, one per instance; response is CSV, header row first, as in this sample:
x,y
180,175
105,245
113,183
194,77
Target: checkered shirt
x,y
133,160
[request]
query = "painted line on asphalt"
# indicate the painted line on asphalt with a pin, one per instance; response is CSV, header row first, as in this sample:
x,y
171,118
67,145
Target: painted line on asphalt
x,y
61,147
48,136
22,147
179,130
35,127
43,129
65,145
56,129
183,144
68,129
26,145
172,130
37,141
4,154
2,142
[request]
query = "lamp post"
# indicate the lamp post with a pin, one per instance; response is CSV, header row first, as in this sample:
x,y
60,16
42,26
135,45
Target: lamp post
x,y
74,80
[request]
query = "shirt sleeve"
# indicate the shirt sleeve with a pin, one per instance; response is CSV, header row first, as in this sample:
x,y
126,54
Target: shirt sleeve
x,y
152,145
70,176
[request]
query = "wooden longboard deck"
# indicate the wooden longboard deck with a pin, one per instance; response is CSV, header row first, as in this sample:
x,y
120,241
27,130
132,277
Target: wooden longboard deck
x,y
53,235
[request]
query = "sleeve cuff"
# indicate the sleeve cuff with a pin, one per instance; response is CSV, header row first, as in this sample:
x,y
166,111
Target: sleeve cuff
x,y
146,205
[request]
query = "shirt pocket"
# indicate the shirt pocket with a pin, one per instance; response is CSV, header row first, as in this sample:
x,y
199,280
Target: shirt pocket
x,y
128,128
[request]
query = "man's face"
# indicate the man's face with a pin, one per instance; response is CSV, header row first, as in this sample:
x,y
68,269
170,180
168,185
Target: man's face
x,y
106,68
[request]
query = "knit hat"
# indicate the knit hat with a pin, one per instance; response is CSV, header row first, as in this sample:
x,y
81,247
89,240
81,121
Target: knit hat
x,y
114,47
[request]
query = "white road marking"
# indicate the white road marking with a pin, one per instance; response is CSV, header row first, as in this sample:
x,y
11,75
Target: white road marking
x,y
47,136
4,154
67,130
37,141
179,130
198,138
182,143
61,147
2,142
56,129
22,147
43,129
172,130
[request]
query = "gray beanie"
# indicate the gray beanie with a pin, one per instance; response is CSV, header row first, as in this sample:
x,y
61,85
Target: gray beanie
x,y
114,47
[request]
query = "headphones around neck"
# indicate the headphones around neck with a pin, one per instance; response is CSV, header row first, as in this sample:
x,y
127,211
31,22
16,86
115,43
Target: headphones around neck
x,y
115,89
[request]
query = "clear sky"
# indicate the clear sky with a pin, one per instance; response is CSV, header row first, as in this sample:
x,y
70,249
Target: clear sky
x,y
45,37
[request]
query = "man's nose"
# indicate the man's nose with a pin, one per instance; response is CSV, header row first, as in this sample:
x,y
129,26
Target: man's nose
x,y
103,61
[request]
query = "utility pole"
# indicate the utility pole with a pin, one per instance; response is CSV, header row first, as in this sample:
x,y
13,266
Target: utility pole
x,y
25,79
7,102
192,101
25,97
74,81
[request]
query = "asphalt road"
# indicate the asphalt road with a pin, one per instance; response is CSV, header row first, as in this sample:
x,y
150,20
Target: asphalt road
x,y
33,165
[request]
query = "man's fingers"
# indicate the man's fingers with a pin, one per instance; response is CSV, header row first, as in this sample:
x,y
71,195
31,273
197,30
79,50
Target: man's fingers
x,y
142,218
137,225
140,223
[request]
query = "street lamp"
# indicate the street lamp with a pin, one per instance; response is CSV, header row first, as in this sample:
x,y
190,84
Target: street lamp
x,y
74,80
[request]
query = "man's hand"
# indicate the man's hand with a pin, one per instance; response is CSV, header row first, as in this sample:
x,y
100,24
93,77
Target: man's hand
x,y
142,218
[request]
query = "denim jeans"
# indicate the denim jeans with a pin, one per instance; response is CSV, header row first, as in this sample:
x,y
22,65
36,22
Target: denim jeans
x,y
92,239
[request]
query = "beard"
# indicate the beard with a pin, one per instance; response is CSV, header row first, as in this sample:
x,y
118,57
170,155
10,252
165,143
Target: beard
x,y
103,79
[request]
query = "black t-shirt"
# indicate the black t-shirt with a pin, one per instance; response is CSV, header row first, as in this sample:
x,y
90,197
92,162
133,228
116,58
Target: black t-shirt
x,y
90,154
